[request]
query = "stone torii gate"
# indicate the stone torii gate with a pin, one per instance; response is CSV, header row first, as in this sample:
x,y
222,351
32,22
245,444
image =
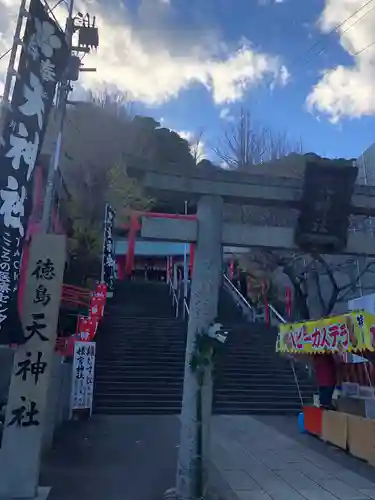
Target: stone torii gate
x,y
210,188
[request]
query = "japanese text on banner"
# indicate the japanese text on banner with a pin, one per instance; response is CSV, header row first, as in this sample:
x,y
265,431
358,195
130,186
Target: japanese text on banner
x,y
42,61
348,332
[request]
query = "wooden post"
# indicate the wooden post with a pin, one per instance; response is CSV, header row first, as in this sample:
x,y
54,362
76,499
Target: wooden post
x,y
27,403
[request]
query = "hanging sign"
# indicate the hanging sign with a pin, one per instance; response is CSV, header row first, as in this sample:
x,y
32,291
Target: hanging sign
x,y
86,328
108,263
83,376
96,310
350,332
42,61
325,205
101,290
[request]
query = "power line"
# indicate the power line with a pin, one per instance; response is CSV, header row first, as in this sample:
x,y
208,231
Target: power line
x,y
357,20
350,27
52,14
5,54
57,4
364,49
323,39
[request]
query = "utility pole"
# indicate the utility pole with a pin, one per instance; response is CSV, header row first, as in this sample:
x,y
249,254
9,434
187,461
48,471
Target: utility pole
x,y
88,37
62,97
186,275
11,70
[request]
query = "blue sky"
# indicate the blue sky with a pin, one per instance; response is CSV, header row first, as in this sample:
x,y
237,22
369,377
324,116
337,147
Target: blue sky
x,y
195,63
288,29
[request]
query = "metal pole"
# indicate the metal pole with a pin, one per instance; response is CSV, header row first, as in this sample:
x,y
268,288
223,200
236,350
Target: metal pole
x,y
360,282
61,111
185,269
11,71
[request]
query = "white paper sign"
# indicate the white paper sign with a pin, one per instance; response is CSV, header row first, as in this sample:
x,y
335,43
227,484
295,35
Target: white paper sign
x,y
83,376
366,302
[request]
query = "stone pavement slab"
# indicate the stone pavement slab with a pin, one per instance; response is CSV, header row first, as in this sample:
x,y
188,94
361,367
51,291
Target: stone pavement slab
x,y
267,459
113,458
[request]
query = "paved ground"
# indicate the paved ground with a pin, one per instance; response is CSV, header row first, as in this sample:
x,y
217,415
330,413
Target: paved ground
x,y
113,458
262,458
266,458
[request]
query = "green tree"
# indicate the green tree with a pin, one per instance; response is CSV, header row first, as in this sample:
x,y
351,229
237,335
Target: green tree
x,y
101,141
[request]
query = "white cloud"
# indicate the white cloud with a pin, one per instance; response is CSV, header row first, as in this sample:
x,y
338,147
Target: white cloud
x,y
347,91
197,145
152,72
263,3
8,16
225,115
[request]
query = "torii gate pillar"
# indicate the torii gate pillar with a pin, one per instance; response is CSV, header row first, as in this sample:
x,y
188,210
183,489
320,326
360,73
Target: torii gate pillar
x,y
206,280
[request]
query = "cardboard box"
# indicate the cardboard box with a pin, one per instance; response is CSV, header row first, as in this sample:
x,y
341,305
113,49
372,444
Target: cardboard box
x,y
357,406
350,389
335,428
361,438
366,392
352,406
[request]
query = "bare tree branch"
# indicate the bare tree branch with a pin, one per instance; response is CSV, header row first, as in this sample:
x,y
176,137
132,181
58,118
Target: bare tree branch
x,y
247,143
197,147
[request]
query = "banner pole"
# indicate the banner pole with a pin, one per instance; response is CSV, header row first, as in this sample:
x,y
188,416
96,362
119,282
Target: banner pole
x,y
11,72
62,96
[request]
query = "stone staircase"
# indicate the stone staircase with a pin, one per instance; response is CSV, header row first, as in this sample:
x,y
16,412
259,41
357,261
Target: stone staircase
x,y
140,353
251,378
140,359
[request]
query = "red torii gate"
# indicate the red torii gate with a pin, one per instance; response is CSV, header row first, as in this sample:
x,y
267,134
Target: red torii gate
x,y
135,226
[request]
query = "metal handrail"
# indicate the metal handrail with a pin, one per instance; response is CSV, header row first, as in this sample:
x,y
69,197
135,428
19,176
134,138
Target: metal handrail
x,y
243,299
277,314
186,310
174,297
186,307
235,289
280,318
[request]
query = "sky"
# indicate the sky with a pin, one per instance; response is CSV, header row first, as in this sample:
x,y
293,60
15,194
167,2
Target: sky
x,y
194,64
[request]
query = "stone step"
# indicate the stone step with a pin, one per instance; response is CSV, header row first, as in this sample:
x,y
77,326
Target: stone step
x,y
135,410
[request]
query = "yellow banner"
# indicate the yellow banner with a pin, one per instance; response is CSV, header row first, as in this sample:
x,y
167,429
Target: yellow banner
x,y
351,332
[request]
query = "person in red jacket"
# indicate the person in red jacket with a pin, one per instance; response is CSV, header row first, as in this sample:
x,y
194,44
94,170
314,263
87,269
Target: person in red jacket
x,y
326,377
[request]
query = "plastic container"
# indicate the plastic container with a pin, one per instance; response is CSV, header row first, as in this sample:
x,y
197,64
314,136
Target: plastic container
x,y
301,423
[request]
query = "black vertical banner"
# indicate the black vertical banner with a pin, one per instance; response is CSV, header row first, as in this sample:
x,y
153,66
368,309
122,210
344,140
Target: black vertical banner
x,y
109,250
43,59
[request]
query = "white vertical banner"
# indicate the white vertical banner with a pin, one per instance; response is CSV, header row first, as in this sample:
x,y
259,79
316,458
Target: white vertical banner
x,y
83,376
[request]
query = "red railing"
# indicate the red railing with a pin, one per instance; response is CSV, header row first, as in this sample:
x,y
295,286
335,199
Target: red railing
x,y
93,302
75,296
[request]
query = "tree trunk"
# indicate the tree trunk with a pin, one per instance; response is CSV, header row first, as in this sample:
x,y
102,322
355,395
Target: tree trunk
x,y
203,310
301,303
